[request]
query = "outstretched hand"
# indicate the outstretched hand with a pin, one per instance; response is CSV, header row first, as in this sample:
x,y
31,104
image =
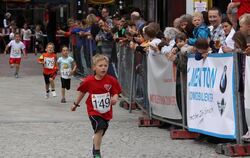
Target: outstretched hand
x,y
73,108
247,51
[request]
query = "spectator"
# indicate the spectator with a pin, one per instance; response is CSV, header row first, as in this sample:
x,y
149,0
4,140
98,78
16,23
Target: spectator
x,y
216,29
6,20
107,17
186,25
245,28
137,20
180,58
243,6
241,45
26,33
228,46
202,49
50,21
38,39
200,30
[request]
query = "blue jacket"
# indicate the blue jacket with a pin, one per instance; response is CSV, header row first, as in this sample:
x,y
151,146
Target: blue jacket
x,y
201,31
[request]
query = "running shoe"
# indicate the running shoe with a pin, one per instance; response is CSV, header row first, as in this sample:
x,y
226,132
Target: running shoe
x,y
47,95
97,156
16,75
53,93
63,100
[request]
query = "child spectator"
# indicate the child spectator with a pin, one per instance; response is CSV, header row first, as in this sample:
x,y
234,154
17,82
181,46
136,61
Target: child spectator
x,y
12,34
48,60
200,30
103,92
26,33
38,39
17,47
202,49
179,58
67,67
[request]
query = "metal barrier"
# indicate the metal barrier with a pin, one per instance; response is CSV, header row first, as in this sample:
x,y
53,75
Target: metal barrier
x,y
140,82
126,72
133,78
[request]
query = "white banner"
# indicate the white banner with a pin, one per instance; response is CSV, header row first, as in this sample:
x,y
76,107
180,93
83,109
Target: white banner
x,y
211,102
161,87
247,90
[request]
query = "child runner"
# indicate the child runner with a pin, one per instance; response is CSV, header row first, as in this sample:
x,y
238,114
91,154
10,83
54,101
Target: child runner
x,y
65,64
17,47
103,92
48,60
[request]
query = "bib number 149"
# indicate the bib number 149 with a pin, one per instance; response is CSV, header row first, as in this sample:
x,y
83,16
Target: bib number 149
x,y
101,102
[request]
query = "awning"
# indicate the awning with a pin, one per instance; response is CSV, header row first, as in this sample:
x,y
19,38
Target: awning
x,y
101,1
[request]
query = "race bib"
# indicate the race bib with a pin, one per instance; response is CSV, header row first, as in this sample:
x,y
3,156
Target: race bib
x,y
101,102
16,53
49,63
65,73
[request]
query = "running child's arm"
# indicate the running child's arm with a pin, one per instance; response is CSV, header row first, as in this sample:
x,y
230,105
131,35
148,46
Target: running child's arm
x,y
74,68
77,102
24,53
114,99
40,60
6,49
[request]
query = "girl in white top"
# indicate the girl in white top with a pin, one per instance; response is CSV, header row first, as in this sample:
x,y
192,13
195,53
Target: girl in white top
x,y
67,67
228,46
26,33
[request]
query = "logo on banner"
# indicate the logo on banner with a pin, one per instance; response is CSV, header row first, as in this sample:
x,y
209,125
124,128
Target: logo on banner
x,y
223,80
221,106
223,85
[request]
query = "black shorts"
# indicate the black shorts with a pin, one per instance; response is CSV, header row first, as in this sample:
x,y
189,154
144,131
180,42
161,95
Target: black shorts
x,y
99,123
65,83
47,77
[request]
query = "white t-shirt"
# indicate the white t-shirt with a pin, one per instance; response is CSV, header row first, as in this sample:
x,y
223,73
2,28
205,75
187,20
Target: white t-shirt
x,y
65,65
229,42
26,34
15,51
154,43
167,49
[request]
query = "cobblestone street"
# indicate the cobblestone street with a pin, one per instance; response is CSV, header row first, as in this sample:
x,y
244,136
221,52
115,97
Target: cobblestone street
x,y
34,127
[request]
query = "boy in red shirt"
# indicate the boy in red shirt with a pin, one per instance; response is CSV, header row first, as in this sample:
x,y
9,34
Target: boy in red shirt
x,y
48,60
103,92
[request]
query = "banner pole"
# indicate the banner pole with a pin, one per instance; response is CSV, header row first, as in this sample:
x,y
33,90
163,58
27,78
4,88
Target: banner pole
x,y
132,83
183,105
239,125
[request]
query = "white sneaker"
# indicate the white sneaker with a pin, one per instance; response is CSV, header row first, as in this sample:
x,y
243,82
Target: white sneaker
x,y
46,95
246,137
53,93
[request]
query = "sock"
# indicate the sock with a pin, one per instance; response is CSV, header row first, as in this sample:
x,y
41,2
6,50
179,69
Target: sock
x,y
47,91
96,152
52,90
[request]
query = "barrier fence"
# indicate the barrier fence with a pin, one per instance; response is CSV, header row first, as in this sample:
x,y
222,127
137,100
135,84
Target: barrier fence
x,y
210,102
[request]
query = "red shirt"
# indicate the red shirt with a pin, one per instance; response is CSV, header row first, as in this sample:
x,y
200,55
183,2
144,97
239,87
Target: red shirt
x,y
100,91
243,8
49,66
